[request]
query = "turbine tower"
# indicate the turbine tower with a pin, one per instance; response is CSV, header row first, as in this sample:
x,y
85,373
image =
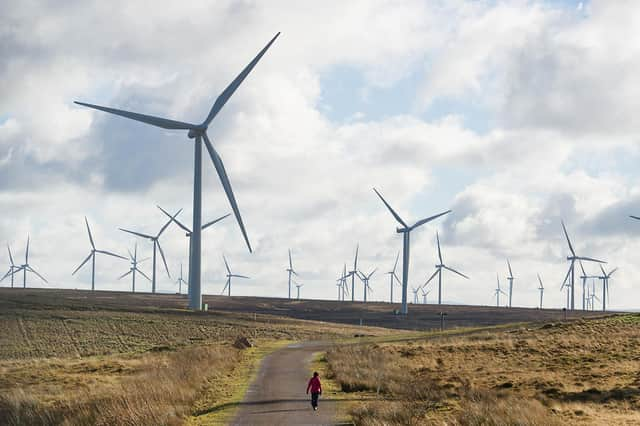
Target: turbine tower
x,y
198,132
188,232
541,288
498,291
155,239
365,280
291,272
571,270
229,276
510,279
298,285
392,277
92,256
134,268
25,267
438,272
13,268
605,286
405,230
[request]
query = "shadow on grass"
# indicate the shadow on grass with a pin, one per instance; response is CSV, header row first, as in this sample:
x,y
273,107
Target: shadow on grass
x,y
222,407
594,395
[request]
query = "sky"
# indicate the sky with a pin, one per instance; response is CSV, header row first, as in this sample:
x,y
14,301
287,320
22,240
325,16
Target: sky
x,y
513,114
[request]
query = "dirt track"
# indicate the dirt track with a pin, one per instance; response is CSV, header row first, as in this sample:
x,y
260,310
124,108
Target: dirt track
x,y
277,396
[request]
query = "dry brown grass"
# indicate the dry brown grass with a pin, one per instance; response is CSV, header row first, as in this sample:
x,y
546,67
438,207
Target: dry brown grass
x,y
584,372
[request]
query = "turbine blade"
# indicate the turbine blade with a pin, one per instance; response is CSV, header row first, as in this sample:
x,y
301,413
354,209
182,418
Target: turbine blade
x,y
429,219
168,223
231,88
590,259
290,263
567,236
26,254
82,264
208,224
566,277
174,220
163,259
393,212
509,265
611,273
582,267
438,243
540,280
395,265
148,119
139,234
355,261
225,286
10,255
143,274
89,232
634,217
111,254
224,179
39,276
125,274
431,277
455,272
240,276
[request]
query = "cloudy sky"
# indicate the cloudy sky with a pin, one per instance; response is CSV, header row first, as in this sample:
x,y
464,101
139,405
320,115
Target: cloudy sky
x,y
514,114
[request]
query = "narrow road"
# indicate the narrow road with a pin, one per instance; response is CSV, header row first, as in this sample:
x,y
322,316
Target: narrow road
x,y
277,396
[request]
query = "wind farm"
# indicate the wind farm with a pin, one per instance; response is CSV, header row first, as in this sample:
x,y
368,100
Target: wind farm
x,y
433,211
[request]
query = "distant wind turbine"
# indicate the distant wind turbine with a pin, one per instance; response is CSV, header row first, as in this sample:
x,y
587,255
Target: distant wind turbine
x,y
92,256
198,132
415,294
155,239
353,274
393,277
365,281
13,268
584,277
25,267
298,285
438,272
541,288
498,291
229,276
605,286
181,281
424,295
571,271
510,279
290,271
134,268
188,232
405,230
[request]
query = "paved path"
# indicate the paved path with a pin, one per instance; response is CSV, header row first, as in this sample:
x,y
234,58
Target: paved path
x,y
277,396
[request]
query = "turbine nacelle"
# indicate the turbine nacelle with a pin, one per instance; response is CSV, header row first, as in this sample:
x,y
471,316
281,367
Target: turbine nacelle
x,y
197,131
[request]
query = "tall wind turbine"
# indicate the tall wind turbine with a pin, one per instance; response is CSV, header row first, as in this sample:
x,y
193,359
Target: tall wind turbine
x,y
229,276
365,281
438,272
353,273
198,132
510,279
188,232
155,239
392,277
571,270
541,288
498,291
405,230
25,267
605,286
13,268
134,268
92,256
291,272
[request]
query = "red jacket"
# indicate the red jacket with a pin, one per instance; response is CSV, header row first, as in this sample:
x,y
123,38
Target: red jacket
x,y
314,385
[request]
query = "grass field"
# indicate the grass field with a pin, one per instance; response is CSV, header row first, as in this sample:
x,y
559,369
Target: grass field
x,y
582,372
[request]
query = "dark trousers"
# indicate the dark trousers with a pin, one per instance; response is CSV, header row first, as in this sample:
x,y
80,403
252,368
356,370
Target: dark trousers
x,y
314,399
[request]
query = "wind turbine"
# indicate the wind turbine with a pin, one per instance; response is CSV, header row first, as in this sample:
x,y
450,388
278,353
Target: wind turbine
x,y
353,273
134,268
584,277
181,281
605,286
25,267
392,277
298,285
13,269
343,282
92,256
424,295
498,291
229,276
198,132
365,280
155,239
291,272
541,288
415,294
438,272
189,233
510,279
405,230
571,270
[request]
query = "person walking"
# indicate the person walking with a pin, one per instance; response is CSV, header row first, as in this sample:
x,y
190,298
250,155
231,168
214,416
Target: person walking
x,y
316,389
